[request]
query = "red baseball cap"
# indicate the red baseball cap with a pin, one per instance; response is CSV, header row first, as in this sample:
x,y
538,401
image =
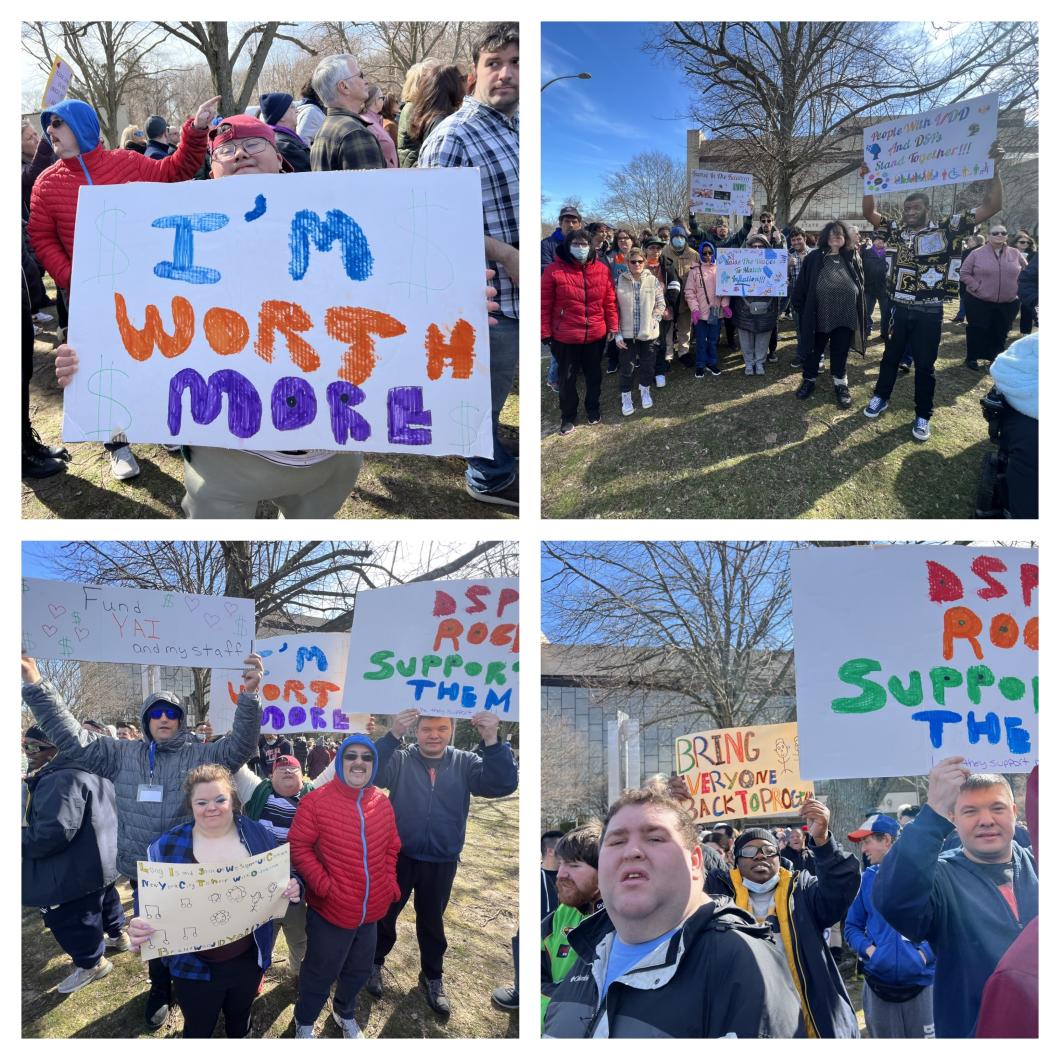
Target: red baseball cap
x,y
242,127
286,761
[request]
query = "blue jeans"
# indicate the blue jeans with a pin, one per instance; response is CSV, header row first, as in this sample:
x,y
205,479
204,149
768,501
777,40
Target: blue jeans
x,y
485,475
707,332
553,371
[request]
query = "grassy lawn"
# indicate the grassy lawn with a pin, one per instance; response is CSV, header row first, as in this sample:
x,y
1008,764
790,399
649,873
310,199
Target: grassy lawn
x,y
389,487
744,447
482,916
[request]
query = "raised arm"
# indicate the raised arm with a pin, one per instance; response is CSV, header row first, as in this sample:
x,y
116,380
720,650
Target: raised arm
x,y
994,192
868,202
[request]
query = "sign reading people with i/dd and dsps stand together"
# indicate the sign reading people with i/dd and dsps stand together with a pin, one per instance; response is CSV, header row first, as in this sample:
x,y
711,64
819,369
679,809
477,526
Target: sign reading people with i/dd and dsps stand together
x,y
110,623
752,771
338,311
947,145
303,688
940,658
447,648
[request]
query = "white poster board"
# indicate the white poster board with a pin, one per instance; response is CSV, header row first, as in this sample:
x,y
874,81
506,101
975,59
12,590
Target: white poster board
x,y
447,648
947,145
199,907
303,688
338,311
109,623
936,656
59,78
752,271
713,191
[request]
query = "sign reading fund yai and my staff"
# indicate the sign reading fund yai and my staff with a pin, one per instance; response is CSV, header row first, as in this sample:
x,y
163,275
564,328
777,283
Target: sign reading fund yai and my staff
x,y
338,311
937,656
448,648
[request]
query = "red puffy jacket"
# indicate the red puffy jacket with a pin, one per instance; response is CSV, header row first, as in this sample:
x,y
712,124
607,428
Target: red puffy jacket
x,y
577,302
344,844
53,203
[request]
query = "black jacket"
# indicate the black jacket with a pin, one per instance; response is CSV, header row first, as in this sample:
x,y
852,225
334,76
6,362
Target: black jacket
x,y
804,300
719,974
293,150
70,838
875,269
696,234
157,149
815,903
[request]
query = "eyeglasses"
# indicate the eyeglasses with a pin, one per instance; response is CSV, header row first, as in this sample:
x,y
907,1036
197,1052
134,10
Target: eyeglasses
x,y
32,748
760,854
253,145
1023,242
354,757
173,713
999,232
288,769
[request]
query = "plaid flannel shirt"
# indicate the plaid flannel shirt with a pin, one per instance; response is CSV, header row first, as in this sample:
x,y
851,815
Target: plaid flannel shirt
x,y
478,135
176,846
344,141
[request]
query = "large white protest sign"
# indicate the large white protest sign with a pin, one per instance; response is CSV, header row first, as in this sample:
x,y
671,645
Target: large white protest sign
x,y
199,907
303,688
109,623
447,648
750,271
939,657
339,311
58,85
947,145
712,191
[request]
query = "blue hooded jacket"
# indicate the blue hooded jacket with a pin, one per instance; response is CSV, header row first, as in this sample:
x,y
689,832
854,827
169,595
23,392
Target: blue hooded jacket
x,y
80,117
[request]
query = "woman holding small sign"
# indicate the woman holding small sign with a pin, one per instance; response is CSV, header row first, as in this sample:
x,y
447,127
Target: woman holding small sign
x,y
224,977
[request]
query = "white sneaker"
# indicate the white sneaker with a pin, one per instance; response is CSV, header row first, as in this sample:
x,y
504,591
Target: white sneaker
x,y
303,1030
80,977
627,404
42,318
660,380
645,398
748,369
349,1026
123,464
760,369
921,429
118,942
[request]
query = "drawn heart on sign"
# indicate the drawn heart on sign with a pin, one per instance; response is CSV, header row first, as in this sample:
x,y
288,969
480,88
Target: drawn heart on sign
x,y
231,608
211,619
56,610
192,603
50,630
81,633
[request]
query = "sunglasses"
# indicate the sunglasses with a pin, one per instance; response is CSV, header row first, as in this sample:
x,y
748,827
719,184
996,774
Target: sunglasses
x,y
1024,242
56,123
636,261
760,854
999,232
173,713
32,748
358,758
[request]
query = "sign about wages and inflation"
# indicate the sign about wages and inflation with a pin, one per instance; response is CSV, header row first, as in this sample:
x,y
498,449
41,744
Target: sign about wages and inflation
x,y
303,688
109,623
947,145
940,658
448,648
199,907
752,271
746,772
339,311
59,78
722,193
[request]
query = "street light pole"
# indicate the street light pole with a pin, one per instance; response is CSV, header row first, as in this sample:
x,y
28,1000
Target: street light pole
x,y
581,77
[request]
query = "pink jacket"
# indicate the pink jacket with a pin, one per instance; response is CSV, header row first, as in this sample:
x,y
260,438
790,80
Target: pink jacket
x,y
700,290
991,278
386,142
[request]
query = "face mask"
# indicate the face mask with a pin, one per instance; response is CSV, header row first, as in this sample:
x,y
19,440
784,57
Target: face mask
x,y
579,253
678,243
762,888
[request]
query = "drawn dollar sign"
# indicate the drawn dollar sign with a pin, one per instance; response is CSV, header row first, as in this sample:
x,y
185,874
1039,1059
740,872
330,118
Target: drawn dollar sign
x,y
109,410
167,600
466,417
76,616
65,647
241,626
108,246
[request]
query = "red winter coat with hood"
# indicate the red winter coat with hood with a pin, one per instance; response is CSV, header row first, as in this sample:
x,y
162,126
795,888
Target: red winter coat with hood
x,y
53,203
578,303
344,844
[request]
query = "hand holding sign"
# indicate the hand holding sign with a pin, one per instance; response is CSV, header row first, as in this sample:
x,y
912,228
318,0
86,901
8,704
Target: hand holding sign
x,y
66,363
293,891
944,784
403,722
488,724
140,931
996,152
30,673
206,113
816,815
254,668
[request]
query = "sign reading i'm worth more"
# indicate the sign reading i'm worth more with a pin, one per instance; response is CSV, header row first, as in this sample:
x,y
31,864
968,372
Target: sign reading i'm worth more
x,y
752,771
339,311
947,145
712,191
303,688
938,656
447,648
108,623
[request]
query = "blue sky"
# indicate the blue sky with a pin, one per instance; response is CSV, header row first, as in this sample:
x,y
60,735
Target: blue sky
x,y
35,558
634,102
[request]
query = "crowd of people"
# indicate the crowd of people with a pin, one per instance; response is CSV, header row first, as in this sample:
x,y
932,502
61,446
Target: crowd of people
x,y
95,802
642,304
339,122
654,928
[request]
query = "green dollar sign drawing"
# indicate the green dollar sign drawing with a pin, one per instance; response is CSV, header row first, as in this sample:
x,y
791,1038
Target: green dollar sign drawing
x,y
101,385
108,244
65,647
25,586
76,616
466,417
241,626
167,600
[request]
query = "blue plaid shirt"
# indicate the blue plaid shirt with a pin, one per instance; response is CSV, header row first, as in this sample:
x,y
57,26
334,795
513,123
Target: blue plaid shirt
x,y
478,135
176,846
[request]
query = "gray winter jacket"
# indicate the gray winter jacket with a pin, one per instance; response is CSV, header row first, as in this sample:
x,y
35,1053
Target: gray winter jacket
x,y
128,763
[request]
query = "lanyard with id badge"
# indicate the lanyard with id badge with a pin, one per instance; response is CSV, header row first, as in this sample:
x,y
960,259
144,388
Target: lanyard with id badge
x,y
149,792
